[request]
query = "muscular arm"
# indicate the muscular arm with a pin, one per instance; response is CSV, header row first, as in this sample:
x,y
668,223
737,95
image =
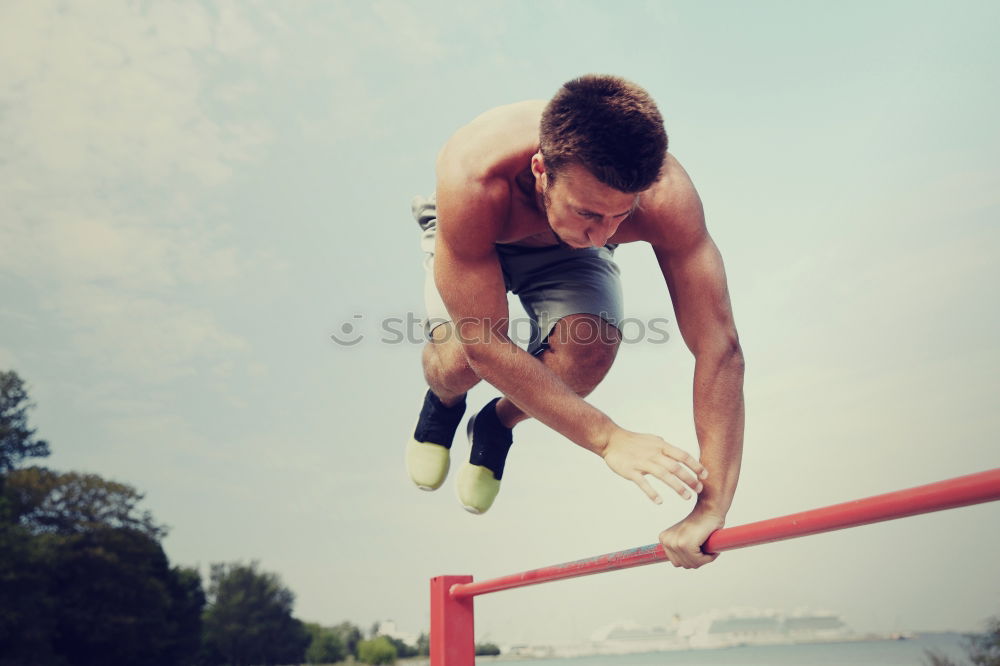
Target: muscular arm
x,y
697,283
693,269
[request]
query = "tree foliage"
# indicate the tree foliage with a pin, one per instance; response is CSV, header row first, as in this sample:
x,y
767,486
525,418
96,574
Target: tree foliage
x,y
119,602
423,645
487,650
403,649
326,646
984,649
249,617
188,603
17,440
83,578
45,501
350,635
107,596
378,650
27,608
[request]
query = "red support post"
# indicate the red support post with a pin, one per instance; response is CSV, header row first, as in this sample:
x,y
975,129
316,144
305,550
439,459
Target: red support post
x,y
452,624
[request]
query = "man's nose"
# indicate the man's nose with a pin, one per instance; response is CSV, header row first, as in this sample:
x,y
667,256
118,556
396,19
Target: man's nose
x,y
599,234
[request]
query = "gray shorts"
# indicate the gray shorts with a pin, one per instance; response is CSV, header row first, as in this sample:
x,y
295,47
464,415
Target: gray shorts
x,y
552,282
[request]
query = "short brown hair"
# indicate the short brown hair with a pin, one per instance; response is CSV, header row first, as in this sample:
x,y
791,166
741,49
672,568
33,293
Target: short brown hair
x,y
608,125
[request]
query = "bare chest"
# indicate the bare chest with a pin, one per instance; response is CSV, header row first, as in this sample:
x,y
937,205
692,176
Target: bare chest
x,y
526,225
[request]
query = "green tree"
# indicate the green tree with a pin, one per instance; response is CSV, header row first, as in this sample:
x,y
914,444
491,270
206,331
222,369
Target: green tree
x,y
982,649
249,617
27,608
350,635
45,501
378,650
83,579
119,602
188,603
326,646
85,571
487,650
423,645
937,658
17,440
403,649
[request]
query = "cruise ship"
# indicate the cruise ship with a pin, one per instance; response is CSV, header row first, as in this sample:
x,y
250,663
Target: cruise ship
x,y
750,626
630,637
722,628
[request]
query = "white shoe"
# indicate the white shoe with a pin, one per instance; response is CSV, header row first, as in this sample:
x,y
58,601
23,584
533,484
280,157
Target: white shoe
x,y
477,487
427,464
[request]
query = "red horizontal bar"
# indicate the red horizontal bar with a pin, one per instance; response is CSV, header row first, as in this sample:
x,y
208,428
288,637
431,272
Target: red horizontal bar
x,y
950,494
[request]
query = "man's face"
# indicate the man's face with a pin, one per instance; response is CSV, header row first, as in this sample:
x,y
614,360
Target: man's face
x,y
582,211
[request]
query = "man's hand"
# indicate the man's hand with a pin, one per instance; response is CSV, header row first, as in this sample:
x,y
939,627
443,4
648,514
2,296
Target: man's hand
x,y
633,455
683,541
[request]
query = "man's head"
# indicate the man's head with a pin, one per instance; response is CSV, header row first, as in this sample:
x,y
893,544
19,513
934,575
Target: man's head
x,y
607,125
602,143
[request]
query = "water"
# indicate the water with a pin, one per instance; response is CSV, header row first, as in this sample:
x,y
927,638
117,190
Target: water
x,y
863,653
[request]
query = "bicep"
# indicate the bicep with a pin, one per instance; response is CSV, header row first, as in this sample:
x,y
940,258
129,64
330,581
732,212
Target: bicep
x,y
471,287
696,278
467,269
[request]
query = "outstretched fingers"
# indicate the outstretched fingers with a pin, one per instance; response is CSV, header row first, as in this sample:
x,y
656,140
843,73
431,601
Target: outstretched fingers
x,y
674,478
635,456
677,477
680,471
644,486
683,457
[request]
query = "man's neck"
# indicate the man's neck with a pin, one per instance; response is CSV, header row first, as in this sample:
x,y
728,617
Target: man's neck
x,y
525,182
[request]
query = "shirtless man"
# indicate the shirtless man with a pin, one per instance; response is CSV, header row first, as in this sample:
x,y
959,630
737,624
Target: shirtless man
x,y
532,198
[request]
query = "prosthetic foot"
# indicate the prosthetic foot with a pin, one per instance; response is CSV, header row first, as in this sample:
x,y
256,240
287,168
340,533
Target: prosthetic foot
x,y
427,453
479,479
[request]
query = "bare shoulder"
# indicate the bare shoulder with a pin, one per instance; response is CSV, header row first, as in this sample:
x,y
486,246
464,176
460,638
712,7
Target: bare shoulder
x,y
492,142
670,214
475,169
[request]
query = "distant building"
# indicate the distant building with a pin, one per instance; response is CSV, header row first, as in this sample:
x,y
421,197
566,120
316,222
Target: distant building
x,y
388,628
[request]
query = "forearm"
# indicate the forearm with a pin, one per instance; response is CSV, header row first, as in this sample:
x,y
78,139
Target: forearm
x,y
719,422
540,393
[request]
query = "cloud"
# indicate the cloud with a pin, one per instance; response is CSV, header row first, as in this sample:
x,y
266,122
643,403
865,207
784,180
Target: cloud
x,y
109,96
149,338
8,359
114,154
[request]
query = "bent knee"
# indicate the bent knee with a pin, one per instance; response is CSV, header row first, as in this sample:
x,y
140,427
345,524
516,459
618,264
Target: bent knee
x,y
591,337
584,347
445,359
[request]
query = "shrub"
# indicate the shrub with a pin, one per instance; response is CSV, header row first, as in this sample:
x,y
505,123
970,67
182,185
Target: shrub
x,y
378,650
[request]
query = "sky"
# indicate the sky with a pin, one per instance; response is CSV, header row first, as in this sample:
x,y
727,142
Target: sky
x,y
194,196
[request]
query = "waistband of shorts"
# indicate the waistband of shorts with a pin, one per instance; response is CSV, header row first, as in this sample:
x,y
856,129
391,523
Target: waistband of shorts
x,y
509,248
